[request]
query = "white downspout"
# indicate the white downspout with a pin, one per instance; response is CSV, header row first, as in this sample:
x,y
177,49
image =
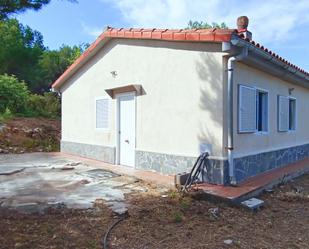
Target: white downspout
x,y
230,116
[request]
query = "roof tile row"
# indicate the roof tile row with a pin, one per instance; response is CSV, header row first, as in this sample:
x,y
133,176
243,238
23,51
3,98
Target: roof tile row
x,y
218,35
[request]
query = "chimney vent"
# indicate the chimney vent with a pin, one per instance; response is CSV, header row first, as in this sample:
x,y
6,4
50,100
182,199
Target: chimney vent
x,y
242,27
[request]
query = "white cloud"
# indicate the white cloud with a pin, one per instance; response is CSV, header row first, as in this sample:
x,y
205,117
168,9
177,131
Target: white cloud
x,y
270,21
90,30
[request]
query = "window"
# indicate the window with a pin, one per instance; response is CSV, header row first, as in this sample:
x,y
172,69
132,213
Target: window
x,y
102,113
261,111
292,114
253,110
286,113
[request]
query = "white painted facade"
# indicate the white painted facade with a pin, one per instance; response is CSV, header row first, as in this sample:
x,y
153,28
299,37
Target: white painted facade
x,y
181,109
253,143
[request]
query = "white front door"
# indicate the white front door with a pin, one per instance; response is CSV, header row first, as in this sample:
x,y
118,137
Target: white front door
x,y
126,130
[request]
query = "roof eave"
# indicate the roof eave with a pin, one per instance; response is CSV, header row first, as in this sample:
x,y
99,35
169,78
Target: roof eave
x,y
80,61
271,63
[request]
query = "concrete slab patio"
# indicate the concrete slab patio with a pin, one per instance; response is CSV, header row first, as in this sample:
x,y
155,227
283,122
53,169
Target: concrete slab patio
x,y
32,182
156,178
35,181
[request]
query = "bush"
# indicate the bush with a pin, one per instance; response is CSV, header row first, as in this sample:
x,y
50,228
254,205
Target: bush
x,y
5,116
47,105
13,94
16,99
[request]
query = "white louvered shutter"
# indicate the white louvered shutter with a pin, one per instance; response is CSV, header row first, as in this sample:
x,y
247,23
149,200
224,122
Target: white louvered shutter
x,y
283,113
247,109
102,111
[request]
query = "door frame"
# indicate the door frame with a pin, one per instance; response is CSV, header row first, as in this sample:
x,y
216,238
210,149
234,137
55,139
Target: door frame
x,y
117,121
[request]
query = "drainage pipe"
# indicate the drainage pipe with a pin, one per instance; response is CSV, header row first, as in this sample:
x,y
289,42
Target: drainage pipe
x,y
230,117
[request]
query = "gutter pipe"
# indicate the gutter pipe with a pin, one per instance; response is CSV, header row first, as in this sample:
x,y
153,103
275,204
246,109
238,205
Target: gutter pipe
x,y
230,139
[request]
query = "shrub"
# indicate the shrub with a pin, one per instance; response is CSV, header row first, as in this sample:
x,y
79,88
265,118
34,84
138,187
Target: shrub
x,y
16,99
5,116
185,203
53,104
47,105
13,94
173,194
177,217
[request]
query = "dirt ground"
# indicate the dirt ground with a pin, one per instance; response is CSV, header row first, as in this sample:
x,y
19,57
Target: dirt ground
x,y
21,135
171,221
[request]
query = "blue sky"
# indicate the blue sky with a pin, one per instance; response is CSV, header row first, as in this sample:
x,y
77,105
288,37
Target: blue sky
x,y
281,25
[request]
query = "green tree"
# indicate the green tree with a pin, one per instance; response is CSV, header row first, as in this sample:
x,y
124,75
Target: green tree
x,y
16,99
20,51
54,62
9,7
13,94
205,25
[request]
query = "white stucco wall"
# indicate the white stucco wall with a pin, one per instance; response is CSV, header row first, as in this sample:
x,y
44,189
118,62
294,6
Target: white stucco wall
x,y
182,106
253,143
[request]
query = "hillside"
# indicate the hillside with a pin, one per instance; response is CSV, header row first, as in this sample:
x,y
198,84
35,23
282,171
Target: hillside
x,y
21,135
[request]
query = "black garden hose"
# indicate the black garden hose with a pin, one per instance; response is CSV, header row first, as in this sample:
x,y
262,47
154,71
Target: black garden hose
x,y
105,244
195,172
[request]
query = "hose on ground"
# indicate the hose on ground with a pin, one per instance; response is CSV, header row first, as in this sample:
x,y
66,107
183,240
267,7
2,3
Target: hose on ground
x,y
105,240
195,171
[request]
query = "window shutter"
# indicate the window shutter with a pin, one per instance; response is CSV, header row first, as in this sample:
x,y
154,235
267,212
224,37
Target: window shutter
x,y
247,109
102,106
283,113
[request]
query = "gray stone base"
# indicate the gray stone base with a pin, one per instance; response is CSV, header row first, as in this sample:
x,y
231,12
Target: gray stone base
x,y
163,163
214,171
98,152
252,165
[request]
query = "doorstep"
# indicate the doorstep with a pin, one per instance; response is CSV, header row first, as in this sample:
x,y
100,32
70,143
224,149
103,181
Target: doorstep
x,y
166,181
253,186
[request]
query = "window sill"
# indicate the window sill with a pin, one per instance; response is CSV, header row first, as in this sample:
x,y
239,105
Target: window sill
x,y
262,133
102,130
291,131
288,131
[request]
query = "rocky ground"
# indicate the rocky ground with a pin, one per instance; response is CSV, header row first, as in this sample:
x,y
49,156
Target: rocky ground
x,y
22,135
169,221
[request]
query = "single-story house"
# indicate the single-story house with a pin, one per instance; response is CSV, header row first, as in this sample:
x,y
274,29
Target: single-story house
x,y
155,99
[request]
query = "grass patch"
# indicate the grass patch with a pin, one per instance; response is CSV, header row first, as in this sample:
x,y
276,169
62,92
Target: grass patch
x,y
6,116
185,203
29,143
173,194
47,144
177,217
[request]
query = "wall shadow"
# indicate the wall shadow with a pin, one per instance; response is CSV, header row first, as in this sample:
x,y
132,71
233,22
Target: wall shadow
x,y
211,101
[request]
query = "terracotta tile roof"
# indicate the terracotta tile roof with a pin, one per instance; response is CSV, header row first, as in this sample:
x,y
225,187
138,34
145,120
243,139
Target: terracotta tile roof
x,y
208,35
192,35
